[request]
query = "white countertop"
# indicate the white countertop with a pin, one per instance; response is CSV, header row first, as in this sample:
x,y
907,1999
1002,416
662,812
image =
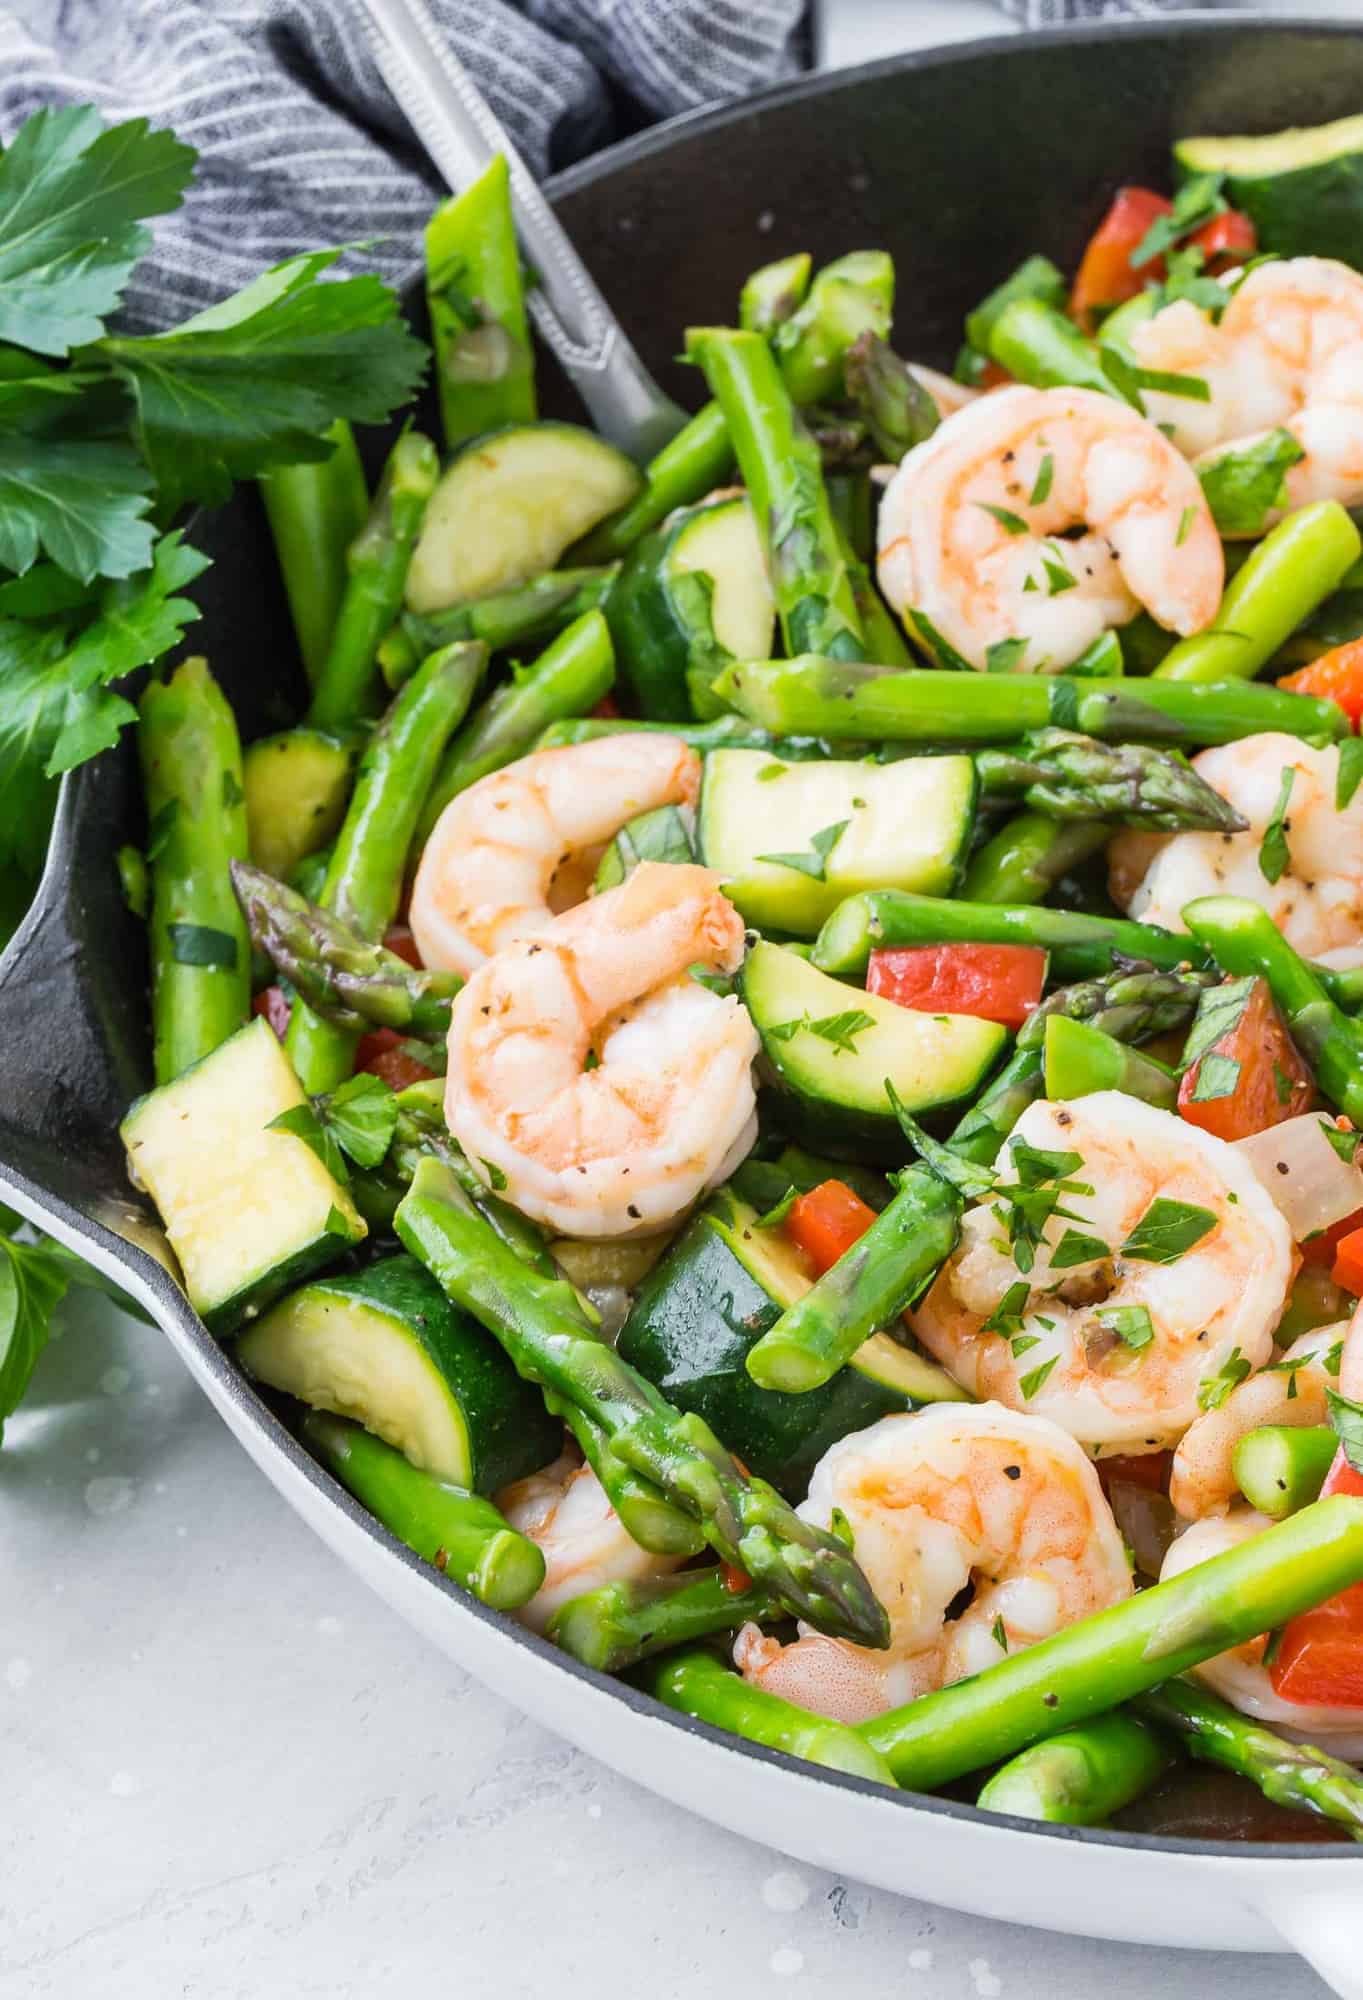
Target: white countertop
x,y
230,1773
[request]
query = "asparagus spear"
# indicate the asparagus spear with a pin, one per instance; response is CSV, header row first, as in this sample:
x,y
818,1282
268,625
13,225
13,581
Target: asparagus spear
x,y
851,297
645,1512
461,1533
196,813
1291,1774
697,1684
1038,344
1034,278
1243,938
484,367
569,676
896,406
866,1289
1080,1059
363,882
817,696
620,1624
782,472
315,512
1281,1468
348,981
882,635
1106,1659
689,466
376,566
724,732
772,294
1074,777
536,610
1028,855
1082,1776
1080,946
980,1133
541,1324
1295,568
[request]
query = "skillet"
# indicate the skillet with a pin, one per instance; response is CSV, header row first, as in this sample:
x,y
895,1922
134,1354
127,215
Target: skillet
x,y
958,162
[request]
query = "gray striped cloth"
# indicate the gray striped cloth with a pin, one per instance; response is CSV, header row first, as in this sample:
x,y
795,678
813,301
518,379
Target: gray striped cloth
x,y
300,143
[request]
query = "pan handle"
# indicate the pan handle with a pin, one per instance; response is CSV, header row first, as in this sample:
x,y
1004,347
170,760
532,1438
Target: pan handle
x,y
1326,1927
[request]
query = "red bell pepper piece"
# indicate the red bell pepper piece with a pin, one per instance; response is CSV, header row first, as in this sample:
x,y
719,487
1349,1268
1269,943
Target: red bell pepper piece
x,y
1272,1083
828,1221
382,1053
995,982
1319,1657
1337,675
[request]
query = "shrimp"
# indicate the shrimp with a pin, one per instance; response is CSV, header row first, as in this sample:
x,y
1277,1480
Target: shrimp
x,y
1111,1347
1287,354
622,1147
565,1513
1239,1676
1290,1391
523,843
1317,901
947,393
952,1498
970,527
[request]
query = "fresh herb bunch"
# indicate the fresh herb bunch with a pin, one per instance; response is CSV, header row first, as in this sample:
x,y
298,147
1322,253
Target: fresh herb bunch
x,y
107,438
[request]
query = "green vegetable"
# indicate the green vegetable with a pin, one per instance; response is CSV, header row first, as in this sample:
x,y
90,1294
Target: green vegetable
x,y
1029,854
463,1535
363,883
619,1624
1037,344
689,466
1293,570
537,610
772,294
661,835
569,676
297,785
781,469
1080,1058
1244,485
698,1685
1036,278
191,774
1302,189
484,367
1081,946
315,511
1244,940
1069,777
1082,1776
849,298
377,562
898,410
549,1339
349,982
1296,1775
1281,1468
1106,1659
841,699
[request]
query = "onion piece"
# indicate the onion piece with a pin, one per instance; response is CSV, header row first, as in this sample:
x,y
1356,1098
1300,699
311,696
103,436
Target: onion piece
x,y
1306,1177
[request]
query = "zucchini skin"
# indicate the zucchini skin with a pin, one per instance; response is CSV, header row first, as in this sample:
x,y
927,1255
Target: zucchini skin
x,y
1312,210
693,1321
650,647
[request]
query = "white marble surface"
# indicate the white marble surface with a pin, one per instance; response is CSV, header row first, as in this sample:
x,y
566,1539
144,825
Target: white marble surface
x,y
229,1773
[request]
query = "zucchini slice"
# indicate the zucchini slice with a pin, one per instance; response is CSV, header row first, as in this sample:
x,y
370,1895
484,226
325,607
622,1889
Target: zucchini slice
x,y
1302,189
830,1048
297,785
386,1347
249,1211
721,1286
793,840
508,505
690,598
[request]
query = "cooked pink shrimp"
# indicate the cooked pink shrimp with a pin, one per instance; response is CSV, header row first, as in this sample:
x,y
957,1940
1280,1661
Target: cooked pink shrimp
x,y
971,527
522,844
1286,354
951,1497
1239,1676
565,1512
621,1148
1113,1348
1317,901
1289,1391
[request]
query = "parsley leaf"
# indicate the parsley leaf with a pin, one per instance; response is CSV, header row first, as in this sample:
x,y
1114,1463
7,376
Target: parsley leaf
x,y
1274,853
255,380
73,196
1217,1076
1185,522
1012,523
842,1029
1219,1009
32,1282
1214,1389
1131,1324
1058,578
1245,485
200,944
1041,488
360,1114
1031,1384
1345,1144
1196,202
1075,1247
777,1213
1346,1419
81,501
967,1177
1167,1231
1350,770
1005,656
821,845
1006,1317
300,1121
1000,1635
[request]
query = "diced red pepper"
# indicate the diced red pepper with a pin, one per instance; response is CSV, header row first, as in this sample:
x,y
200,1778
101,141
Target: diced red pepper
x,y
382,1053
1106,277
827,1221
1319,1659
1348,1265
993,375
273,1003
995,982
1149,1469
1227,239
399,940
734,1579
607,709
1323,1249
1337,675
1272,1083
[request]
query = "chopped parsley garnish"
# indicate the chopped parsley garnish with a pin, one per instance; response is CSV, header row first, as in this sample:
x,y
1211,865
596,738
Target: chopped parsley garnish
x,y
1022,1341
1167,1231
1244,486
1345,1144
1000,1635
839,1029
821,845
1282,1084
1075,1248
1058,578
968,1178
1185,522
1197,201
1041,488
1350,770
778,1212
1274,853
300,1121
200,944
1031,1384
1346,1419
361,1114
770,771
1013,523
1215,1388
1006,1317
1004,656
1131,1324
1219,1010
1217,1076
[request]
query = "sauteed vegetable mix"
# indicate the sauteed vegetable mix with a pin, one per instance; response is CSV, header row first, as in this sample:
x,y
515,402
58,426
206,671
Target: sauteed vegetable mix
x,y
773,1072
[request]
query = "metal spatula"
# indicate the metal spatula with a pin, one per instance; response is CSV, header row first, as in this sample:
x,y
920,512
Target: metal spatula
x,y
460,132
